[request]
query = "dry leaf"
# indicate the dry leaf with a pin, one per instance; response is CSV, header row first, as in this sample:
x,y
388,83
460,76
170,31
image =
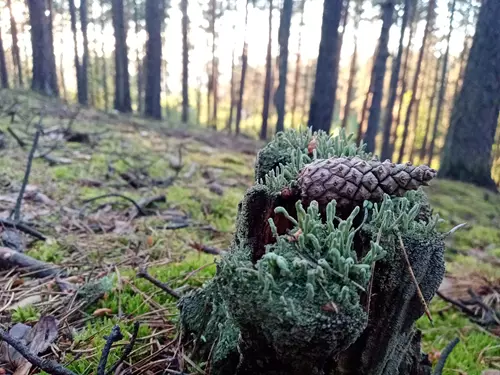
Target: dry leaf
x,y
102,312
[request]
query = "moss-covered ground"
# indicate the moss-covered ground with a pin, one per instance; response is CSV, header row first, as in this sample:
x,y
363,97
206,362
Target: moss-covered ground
x,y
104,242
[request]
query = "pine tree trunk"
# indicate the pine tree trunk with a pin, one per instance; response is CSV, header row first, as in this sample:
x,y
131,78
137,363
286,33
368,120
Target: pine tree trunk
x,y
85,56
78,69
104,69
432,99
298,64
154,19
463,59
416,118
138,62
185,62
365,103
474,119
244,65
44,69
215,64
307,91
379,69
122,100
283,37
350,84
232,94
444,83
4,79
198,103
323,98
268,79
16,55
404,79
393,87
428,25
61,70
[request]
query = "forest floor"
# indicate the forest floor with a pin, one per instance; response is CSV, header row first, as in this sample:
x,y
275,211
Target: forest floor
x,y
175,200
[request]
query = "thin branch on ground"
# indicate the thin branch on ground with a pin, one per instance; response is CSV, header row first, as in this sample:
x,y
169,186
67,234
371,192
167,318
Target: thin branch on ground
x,y
19,141
113,337
23,227
127,350
17,209
143,274
207,249
46,365
444,356
137,206
419,291
455,303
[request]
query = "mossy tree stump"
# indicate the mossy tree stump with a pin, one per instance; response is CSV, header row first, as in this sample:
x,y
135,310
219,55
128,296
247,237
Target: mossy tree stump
x,y
316,281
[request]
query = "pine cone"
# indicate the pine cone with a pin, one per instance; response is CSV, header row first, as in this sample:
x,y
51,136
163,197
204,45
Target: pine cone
x,y
350,181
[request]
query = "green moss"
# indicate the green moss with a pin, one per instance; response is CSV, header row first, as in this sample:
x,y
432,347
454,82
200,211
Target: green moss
x,y
49,251
25,314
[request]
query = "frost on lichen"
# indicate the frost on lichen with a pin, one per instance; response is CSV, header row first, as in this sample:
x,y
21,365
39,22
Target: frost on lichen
x,y
291,294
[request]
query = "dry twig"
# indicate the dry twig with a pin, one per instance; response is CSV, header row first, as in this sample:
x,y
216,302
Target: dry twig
x,y
144,275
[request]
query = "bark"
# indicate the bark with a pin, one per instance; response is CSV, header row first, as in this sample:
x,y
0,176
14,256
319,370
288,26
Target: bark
x,y
323,98
379,69
268,79
104,69
444,84
393,86
138,62
78,69
428,25
283,37
232,99
85,56
298,65
353,67
474,119
44,67
215,63
307,91
432,99
185,61
404,80
154,19
4,79
122,102
244,66
16,55
365,104
416,118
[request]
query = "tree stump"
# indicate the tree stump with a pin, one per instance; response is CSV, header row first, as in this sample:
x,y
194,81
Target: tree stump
x,y
316,280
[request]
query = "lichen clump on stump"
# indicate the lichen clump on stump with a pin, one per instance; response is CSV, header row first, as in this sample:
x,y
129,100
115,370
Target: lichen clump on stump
x,y
315,235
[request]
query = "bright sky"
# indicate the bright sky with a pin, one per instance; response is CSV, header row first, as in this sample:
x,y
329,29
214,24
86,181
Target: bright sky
x,y
228,38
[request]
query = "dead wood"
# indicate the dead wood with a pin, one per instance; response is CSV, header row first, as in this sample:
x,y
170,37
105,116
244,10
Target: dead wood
x,y
10,258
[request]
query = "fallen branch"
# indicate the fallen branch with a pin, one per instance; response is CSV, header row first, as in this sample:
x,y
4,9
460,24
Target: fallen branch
x,y
127,350
23,227
17,208
420,295
137,206
144,275
10,258
113,337
46,365
206,249
444,356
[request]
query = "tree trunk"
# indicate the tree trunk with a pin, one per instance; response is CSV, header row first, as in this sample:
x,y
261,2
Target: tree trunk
x,y
61,69
463,59
78,69
138,62
85,56
244,65
232,94
428,25
393,87
404,80
378,76
432,99
198,103
416,120
16,55
215,64
365,103
44,67
4,79
353,68
268,79
323,98
122,100
283,37
297,64
444,83
307,91
467,151
104,69
185,62
154,19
